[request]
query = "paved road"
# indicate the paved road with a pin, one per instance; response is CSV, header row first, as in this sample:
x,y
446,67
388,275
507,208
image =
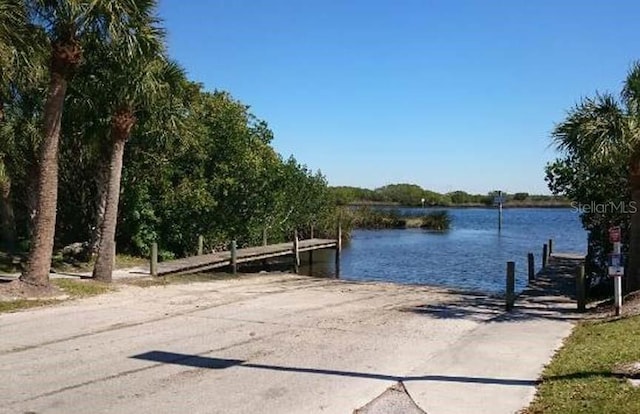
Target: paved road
x,y
276,344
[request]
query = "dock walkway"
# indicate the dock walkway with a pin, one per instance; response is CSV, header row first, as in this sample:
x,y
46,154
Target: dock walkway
x,y
221,259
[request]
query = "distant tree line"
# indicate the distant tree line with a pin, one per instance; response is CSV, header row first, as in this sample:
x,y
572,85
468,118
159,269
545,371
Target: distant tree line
x,y
412,195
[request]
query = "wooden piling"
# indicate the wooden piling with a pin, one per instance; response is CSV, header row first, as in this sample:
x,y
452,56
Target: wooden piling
x,y
510,295
338,248
550,247
154,259
545,255
234,257
311,236
200,245
296,252
532,267
581,288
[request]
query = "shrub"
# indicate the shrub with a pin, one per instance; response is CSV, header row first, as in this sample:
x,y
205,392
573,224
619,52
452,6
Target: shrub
x,y
437,221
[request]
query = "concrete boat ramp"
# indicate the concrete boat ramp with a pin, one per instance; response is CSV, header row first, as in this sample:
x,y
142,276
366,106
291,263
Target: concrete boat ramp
x,y
279,344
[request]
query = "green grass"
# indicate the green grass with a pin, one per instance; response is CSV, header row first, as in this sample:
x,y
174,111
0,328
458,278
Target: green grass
x,y
179,279
16,305
579,379
81,288
75,288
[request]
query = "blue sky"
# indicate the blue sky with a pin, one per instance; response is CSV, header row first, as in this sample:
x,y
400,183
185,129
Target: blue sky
x,y
446,94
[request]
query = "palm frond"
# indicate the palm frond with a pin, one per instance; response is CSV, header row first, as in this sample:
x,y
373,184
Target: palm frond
x,y
631,90
595,128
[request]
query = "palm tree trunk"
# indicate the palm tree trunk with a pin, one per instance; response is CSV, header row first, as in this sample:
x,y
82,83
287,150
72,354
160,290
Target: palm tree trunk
x,y
39,262
102,184
121,125
633,268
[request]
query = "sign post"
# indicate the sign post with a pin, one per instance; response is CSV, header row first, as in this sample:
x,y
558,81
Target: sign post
x,y
497,201
616,267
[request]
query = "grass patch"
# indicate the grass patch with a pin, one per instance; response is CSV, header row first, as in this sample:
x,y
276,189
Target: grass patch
x,y
16,305
74,288
370,218
436,221
579,378
81,288
179,279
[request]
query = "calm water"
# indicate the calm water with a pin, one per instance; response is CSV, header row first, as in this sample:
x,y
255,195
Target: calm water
x,y
472,255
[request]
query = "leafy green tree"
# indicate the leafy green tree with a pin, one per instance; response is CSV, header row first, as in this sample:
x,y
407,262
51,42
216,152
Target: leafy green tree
x,y
405,194
601,166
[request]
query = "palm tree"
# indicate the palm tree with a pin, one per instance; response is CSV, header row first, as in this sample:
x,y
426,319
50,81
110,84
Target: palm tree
x,y
603,131
127,89
66,24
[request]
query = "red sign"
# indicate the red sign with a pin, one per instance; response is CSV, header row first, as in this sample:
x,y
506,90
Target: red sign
x,y
614,234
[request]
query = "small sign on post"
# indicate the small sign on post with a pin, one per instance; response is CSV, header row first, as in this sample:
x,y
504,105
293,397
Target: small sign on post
x,y
498,201
614,234
616,267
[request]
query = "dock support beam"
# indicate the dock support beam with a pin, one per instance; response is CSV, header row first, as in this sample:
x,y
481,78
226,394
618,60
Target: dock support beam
x,y
311,236
545,256
581,289
531,267
550,247
510,296
234,257
153,268
200,245
296,252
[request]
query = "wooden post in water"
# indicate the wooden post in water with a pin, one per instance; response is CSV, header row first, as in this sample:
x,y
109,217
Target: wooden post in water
x,y
153,269
550,247
296,252
234,257
545,255
311,251
510,295
581,288
338,248
532,267
200,245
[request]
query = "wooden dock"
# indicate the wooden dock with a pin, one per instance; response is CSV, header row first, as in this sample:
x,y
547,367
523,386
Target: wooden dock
x,y
233,257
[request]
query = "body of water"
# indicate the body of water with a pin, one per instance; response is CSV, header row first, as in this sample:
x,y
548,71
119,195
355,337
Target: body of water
x,y
472,255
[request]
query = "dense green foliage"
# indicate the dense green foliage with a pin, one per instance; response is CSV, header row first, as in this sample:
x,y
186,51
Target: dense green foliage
x,y
598,171
436,220
413,195
196,162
